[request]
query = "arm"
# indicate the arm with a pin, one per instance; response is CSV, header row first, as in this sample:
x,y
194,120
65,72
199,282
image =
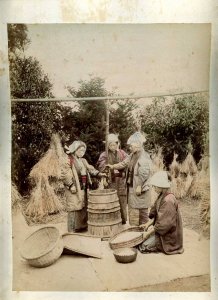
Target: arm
x,y
101,161
166,217
67,177
121,165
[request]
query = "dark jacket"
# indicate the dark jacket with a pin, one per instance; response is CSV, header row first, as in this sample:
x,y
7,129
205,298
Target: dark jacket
x,y
167,224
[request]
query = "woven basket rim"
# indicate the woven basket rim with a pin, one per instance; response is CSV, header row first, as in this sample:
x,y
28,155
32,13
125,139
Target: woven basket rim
x,y
48,249
134,228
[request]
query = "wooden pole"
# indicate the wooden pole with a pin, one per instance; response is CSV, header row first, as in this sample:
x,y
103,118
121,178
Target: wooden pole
x,y
67,99
107,128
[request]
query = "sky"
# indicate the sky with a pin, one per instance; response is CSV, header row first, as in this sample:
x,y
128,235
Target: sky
x,y
133,58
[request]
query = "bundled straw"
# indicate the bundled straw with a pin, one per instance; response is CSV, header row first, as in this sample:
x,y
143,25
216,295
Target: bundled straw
x,y
174,167
16,198
189,165
43,200
46,175
49,164
158,164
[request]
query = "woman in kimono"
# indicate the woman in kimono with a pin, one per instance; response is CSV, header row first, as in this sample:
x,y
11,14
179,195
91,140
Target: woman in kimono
x,y
115,155
76,177
138,166
166,234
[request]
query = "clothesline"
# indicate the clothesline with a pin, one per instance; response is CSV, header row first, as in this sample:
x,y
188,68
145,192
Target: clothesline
x,y
66,99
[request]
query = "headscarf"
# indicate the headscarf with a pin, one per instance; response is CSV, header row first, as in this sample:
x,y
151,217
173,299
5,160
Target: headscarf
x,y
113,138
136,138
75,146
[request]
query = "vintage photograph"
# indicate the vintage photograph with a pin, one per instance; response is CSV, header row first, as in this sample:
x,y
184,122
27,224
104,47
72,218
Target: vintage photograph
x,y
110,157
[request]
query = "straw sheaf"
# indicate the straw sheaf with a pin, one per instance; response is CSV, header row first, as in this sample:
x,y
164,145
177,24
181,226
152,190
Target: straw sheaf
x,y
189,165
43,200
158,164
50,164
174,167
16,198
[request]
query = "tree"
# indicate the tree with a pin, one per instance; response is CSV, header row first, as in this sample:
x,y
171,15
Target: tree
x,y
34,122
17,37
89,120
176,125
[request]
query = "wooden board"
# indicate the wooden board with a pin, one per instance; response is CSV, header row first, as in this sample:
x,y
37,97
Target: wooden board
x,y
83,244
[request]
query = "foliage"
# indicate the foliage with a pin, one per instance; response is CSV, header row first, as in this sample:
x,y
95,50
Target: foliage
x,y
178,126
122,120
34,122
17,37
89,120
27,79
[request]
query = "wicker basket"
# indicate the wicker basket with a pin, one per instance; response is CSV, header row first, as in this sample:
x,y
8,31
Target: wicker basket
x,y
128,243
43,247
125,255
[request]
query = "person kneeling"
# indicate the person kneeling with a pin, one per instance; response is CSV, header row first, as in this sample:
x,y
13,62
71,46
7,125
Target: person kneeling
x,y
166,235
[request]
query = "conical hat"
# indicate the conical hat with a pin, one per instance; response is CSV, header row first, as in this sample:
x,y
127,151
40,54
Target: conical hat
x,y
160,179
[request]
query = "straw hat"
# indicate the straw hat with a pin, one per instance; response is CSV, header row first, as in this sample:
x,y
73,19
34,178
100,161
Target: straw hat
x,y
76,145
160,179
136,138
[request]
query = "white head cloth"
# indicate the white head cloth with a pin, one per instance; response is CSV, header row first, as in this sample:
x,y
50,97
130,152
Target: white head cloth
x,y
136,138
75,145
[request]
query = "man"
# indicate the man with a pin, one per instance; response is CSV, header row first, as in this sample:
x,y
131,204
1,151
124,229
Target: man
x,y
138,166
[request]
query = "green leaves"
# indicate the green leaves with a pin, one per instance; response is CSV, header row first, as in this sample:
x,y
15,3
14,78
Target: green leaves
x,y
174,124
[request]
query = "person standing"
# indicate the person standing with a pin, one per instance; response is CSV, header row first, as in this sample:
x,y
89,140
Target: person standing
x,y
117,182
76,176
166,234
138,168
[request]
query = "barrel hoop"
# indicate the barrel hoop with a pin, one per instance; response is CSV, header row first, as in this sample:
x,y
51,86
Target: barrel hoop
x,y
105,224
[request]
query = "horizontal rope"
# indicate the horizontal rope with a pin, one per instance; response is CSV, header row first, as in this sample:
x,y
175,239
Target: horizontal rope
x,y
66,99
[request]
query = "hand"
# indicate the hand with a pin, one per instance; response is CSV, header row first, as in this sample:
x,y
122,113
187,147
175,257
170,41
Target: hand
x,y
147,225
138,190
73,189
102,174
109,166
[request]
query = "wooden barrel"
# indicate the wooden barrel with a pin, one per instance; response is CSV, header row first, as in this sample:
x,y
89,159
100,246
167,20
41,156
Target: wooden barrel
x,y
104,218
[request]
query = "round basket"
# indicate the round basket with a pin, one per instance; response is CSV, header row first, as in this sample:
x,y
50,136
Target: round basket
x,y
125,240
43,247
125,255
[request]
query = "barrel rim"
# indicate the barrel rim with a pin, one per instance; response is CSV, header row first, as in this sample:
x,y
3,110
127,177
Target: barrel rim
x,y
99,192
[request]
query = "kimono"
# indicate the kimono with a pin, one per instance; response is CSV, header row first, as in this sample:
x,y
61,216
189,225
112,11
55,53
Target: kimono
x,y
138,168
76,172
168,236
117,178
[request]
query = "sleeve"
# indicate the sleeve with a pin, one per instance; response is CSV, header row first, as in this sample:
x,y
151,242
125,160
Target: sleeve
x,y
66,174
152,213
166,217
90,168
122,165
101,161
143,173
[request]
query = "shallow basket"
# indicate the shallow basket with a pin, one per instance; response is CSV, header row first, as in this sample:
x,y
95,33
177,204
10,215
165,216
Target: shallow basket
x,y
43,247
125,255
129,242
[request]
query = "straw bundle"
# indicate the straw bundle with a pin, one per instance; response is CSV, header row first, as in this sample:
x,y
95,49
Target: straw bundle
x,y
189,165
49,164
48,189
174,167
204,195
16,198
158,164
43,200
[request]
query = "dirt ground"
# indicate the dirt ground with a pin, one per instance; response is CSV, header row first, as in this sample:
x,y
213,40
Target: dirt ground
x,y
190,284
190,215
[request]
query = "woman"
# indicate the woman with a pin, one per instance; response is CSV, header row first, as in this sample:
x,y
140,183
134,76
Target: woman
x,y
167,234
138,166
76,178
115,155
